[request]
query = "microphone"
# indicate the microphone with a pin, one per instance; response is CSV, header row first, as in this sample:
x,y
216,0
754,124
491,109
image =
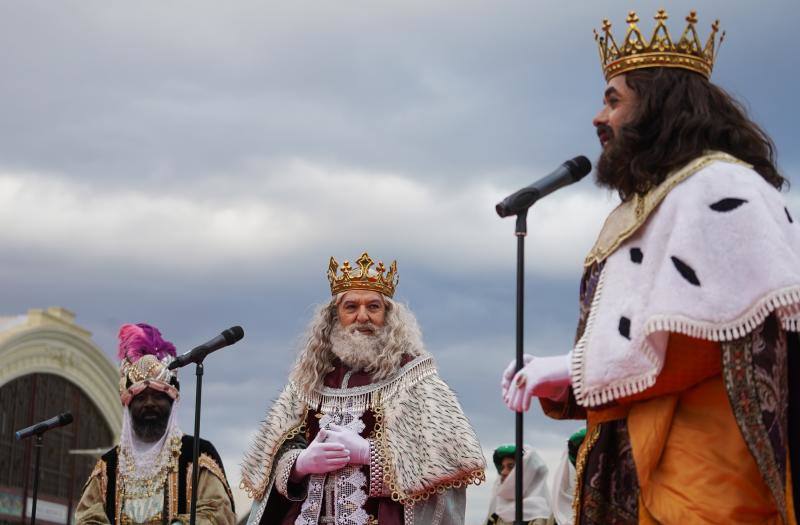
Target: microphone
x,y
197,354
571,171
43,426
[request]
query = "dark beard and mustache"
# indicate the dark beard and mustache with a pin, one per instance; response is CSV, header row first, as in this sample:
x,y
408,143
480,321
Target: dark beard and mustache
x,y
357,350
150,425
609,168
613,167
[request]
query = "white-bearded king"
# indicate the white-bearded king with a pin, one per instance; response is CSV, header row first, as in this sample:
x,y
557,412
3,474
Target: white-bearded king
x,y
365,432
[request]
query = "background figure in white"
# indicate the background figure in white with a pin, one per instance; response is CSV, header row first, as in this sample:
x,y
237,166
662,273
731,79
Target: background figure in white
x,y
563,490
536,496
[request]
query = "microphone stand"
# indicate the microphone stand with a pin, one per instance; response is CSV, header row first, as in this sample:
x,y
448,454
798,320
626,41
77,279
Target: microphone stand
x,y
520,202
198,372
520,230
38,446
196,356
38,431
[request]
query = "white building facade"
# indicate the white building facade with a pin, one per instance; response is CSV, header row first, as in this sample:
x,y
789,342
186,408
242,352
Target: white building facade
x,y
50,365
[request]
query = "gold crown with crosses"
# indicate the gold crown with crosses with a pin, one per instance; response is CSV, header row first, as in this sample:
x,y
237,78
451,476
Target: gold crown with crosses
x,y
364,277
660,51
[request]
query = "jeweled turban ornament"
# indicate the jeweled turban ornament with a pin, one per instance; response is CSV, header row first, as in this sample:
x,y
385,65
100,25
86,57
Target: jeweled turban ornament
x,y
364,277
145,356
660,51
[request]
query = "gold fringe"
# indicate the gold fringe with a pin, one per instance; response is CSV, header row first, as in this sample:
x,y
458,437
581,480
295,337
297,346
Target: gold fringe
x,y
257,493
475,477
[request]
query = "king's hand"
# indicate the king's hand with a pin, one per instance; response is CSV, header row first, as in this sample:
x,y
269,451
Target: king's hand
x,y
357,445
320,457
547,377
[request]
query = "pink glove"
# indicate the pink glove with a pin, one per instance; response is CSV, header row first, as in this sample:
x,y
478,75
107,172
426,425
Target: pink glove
x,y
547,377
357,445
320,457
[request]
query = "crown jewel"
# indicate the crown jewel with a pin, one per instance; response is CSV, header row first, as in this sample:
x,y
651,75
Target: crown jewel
x,y
660,51
363,277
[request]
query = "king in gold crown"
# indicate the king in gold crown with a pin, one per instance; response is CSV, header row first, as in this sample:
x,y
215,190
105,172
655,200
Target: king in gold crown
x,y
363,277
660,51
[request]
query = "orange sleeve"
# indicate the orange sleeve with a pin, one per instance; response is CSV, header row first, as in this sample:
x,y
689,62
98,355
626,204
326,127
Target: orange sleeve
x,y
688,361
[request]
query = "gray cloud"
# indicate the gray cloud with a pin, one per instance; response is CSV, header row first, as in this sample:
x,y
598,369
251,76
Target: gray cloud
x,y
162,94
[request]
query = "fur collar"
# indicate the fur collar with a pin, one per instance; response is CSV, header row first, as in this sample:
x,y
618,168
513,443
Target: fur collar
x,y
419,413
629,216
719,254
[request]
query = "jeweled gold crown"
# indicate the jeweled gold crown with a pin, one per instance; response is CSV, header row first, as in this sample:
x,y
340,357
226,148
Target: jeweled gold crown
x,y
363,277
660,51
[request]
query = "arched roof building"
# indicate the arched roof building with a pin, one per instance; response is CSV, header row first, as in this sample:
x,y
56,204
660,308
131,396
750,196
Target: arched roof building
x,y
50,365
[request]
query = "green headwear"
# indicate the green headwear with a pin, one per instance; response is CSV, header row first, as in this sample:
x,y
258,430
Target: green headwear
x,y
503,451
574,443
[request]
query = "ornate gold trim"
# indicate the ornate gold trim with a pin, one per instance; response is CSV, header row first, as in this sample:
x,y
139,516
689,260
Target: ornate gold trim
x,y
172,479
120,489
675,60
377,280
207,462
475,477
580,465
636,52
99,472
258,492
629,216
189,487
740,375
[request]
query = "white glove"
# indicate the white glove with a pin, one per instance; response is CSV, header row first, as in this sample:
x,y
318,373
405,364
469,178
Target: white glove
x,y
511,369
357,445
547,377
320,457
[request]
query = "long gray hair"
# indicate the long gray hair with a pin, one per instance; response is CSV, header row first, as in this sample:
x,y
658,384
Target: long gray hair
x,y
315,361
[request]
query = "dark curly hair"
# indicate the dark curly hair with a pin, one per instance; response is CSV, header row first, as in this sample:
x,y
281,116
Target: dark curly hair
x,y
679,115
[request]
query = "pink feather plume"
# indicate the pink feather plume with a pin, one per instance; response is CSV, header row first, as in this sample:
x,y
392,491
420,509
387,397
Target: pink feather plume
x,y
138,340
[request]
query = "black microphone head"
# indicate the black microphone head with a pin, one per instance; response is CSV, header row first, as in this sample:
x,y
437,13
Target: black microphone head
x,y
501,209
578,167
65,418
233,334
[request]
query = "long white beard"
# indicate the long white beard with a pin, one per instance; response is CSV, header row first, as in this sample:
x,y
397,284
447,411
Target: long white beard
x,y
357,350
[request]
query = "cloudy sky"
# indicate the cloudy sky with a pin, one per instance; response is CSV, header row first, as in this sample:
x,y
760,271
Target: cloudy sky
x,y
193,164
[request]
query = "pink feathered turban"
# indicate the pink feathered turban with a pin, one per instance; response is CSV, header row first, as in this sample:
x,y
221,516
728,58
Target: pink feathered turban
x,y
145,356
